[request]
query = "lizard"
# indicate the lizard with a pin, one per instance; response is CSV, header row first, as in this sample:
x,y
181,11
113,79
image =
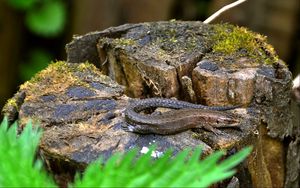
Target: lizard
x,y
187,116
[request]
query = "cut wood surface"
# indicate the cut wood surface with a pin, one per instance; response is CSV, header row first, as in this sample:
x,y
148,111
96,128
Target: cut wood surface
x,y
81,107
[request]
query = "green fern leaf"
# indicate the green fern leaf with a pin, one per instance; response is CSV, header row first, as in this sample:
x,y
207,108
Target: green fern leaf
x,y
166,171
18,167
236,159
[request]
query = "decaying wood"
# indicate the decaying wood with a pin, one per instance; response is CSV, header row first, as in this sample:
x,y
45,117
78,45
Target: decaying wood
x,y
81,109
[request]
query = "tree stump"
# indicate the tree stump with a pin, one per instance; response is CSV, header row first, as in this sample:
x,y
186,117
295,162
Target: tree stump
x,y
217,65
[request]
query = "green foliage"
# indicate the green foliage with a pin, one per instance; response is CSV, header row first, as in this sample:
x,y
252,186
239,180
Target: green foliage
x,y
38,59
21,4
18,167
48,19
45,18
184,170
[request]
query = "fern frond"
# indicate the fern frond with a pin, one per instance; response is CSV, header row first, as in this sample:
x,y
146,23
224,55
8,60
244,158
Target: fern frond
x,y
18,167
182,170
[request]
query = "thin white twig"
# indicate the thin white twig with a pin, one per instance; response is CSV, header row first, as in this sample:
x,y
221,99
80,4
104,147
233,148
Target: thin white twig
x,y
223,9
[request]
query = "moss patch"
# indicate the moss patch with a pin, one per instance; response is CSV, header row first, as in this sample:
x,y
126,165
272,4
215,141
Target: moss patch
x,y
12,102
124,41
11,106
58,75
238,41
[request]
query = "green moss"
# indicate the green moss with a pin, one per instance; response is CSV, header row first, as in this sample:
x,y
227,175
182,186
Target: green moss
x,y
12,102
58,71
58,75
124,41
10,107
233,40
173,40
87,66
